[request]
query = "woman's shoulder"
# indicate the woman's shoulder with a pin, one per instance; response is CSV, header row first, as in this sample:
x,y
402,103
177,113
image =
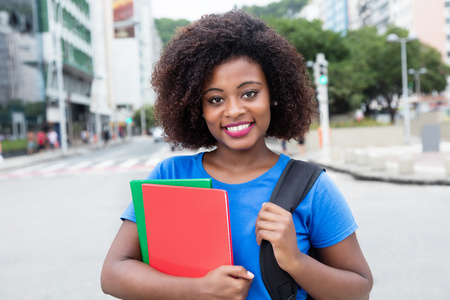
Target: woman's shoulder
x,y
176,166
181,159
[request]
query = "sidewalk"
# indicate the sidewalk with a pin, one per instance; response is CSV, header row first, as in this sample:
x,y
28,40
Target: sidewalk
x,y
48,155
397,164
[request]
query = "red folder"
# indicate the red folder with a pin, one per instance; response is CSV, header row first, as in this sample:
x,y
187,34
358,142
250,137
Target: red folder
x,y
188,229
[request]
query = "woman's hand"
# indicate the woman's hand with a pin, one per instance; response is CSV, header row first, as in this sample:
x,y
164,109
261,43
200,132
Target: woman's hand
x,y
275,225
227,282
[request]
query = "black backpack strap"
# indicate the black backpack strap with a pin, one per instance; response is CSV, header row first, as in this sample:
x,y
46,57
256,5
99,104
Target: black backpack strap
x,y
293,185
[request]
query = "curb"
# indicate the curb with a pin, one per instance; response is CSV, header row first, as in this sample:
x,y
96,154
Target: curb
x,y
382,176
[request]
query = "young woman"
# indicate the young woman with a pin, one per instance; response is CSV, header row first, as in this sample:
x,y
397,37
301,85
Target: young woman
x,y
225,83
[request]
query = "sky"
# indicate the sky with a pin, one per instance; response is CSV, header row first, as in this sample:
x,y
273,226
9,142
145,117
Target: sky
x,y
194,9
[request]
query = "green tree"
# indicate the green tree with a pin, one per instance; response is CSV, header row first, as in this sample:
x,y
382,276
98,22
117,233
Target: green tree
x,y
149,116
309,38
386,67
435,77
167,28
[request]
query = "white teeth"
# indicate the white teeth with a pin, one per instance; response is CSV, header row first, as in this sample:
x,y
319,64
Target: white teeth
x,y
238,128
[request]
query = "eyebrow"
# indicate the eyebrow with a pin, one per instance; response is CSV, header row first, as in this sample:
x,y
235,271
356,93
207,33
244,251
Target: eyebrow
x,y
239,86
249,82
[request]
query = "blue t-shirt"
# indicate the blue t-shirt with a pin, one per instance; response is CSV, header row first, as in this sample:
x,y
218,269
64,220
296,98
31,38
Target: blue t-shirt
x,y
322,219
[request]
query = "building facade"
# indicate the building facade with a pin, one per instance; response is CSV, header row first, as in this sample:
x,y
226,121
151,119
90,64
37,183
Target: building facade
x,y
336,16
55,52
22,102
428,20
65,28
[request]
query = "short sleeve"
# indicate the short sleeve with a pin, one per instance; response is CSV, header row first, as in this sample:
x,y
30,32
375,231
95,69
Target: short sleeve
x,y
129,214
331,218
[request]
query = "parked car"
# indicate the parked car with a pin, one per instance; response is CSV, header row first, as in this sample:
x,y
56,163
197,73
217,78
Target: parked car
x,y
158,134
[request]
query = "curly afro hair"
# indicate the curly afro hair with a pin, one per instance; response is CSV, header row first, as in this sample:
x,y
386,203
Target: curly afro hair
x,y
187,63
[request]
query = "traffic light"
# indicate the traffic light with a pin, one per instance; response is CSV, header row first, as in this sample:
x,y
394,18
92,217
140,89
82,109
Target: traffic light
x,y
129,120
323,73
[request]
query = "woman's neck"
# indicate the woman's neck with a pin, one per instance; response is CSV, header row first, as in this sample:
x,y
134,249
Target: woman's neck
x,y
238,166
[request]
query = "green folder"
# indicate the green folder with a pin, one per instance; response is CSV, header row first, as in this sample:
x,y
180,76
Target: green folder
x,y
138,202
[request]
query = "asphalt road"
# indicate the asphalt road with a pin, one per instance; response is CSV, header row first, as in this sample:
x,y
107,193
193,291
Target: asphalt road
x,y
57,222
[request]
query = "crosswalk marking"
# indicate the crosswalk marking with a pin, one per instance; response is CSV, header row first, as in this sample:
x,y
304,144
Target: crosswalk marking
x,y
27,169
129,163
54,167
152,161
104,164
80,165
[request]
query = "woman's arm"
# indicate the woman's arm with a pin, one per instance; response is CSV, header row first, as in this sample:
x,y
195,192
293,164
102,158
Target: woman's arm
x,y
342,272
125,276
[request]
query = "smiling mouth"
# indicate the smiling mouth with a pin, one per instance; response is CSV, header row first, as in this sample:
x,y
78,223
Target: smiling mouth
x,y
238,128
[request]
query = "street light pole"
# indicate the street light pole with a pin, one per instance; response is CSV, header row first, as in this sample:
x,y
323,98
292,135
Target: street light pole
x,y
417,74
394,38
405,92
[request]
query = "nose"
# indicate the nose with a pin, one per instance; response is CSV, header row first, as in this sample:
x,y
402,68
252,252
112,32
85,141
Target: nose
x,y
234,108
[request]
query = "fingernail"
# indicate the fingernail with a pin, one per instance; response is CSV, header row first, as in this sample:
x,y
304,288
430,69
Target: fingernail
x,y
264,204
250,274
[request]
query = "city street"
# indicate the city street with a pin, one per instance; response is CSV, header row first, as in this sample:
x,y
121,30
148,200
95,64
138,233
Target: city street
x,y
58,219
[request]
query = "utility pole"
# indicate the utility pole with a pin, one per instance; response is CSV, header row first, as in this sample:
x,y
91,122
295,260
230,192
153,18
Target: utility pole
x,y
321,81
394,38
57,34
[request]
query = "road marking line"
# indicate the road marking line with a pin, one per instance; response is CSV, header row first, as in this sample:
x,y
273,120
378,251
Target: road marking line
x,y
129,163
53,167
152,161
79,165
27,170
104,164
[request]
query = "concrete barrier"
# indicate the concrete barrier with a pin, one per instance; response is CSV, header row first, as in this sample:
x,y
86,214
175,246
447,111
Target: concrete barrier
x,y
362,158
377,162
406,165
358,137
447,165
335,154
349,156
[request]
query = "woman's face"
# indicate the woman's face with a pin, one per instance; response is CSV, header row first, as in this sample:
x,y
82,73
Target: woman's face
x,y
236,104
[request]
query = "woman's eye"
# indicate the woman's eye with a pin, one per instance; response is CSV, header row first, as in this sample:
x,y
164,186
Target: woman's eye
x,y
215,100
249,94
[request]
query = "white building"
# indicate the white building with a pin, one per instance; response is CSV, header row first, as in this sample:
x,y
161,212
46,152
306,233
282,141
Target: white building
x,y
103,101
137,47
336,15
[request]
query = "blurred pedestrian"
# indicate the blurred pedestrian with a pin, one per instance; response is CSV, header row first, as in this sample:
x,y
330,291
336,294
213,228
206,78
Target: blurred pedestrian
x,y
301,147
41,140
284,147
85,136
31,142
52,138
106,136
1,156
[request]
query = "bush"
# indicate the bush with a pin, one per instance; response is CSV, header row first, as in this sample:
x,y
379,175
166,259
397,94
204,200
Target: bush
x,y
14,146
